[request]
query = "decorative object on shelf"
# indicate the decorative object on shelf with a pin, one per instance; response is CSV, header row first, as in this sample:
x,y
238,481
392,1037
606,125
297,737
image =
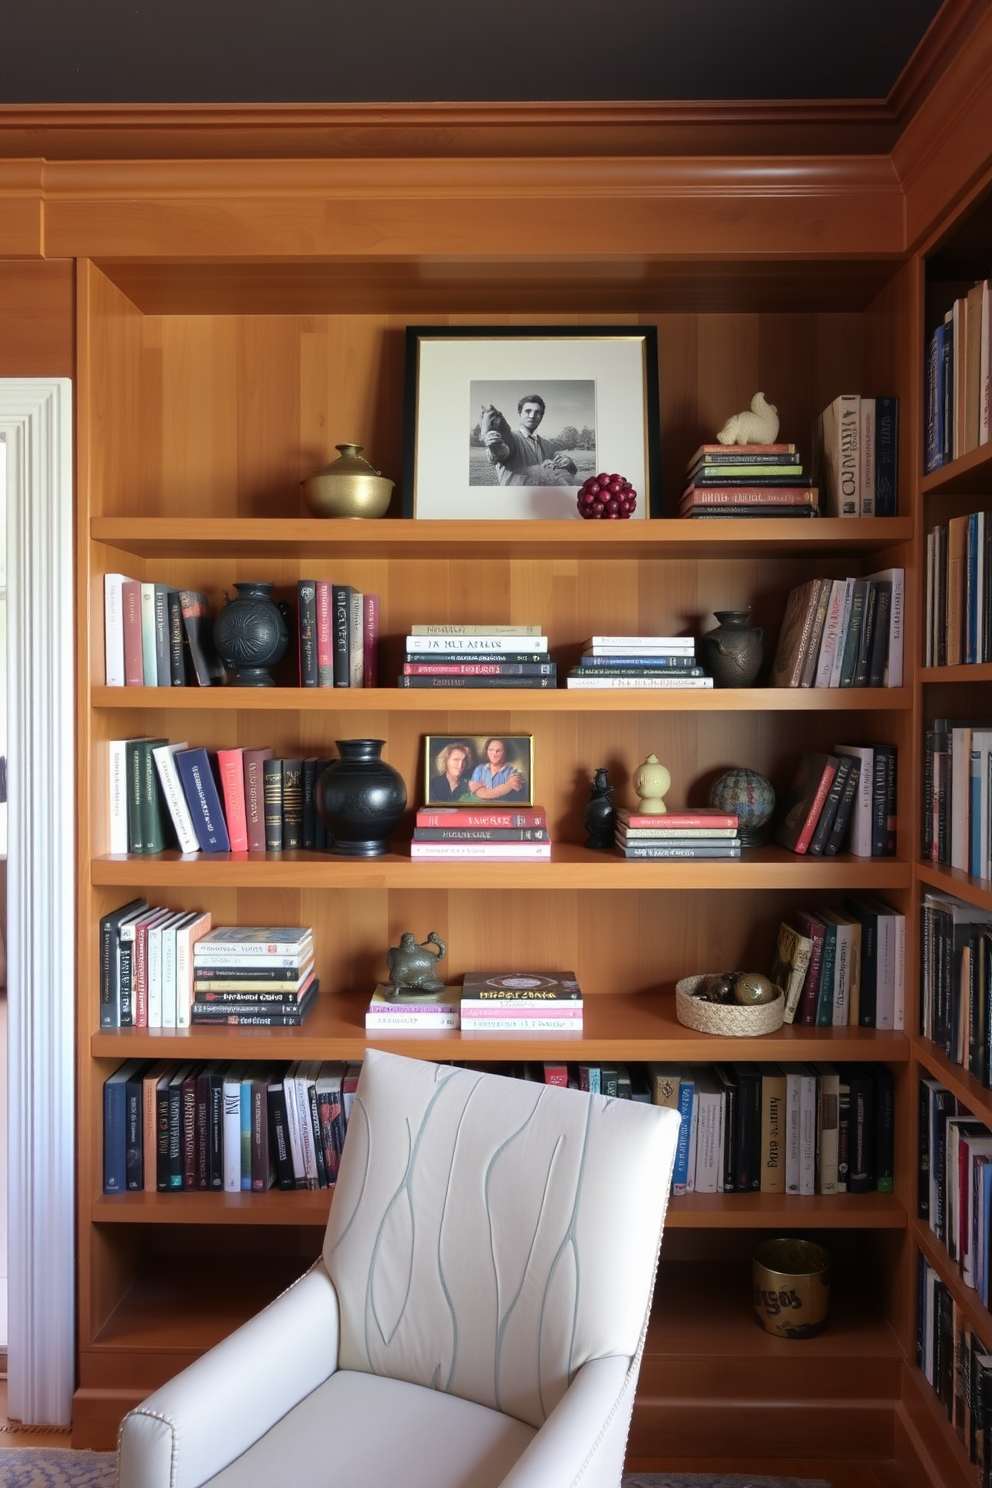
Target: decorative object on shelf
x,y
250,634
746,988
606,497
651,781
756,425
791,1280
476,770
731,1019
750,796
360,798
549,407
732,653
600,816
412,967
348,487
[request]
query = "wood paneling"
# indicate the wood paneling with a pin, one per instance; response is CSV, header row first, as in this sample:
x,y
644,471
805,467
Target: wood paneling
x,y
37,318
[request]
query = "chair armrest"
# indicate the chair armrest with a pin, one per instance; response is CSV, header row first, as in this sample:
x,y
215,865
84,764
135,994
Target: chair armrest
x,y
199,1422
584,1439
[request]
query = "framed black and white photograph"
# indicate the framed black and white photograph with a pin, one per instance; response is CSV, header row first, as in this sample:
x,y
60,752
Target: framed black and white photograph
x,y
486,770
509,422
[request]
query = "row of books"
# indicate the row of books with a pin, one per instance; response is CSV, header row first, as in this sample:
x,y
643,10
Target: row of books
x,y
651,661
469,656
958,618
956,388
957,1363
338,635
156,635
782,1129
705,832
955,1182
842,633
487,833
957,794
486,1002
842,801
225,1127
763,480
258,975
856,456
229,800
840,968
956,982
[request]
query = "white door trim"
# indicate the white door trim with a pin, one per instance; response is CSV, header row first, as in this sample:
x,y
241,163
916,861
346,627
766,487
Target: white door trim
x,y
36,425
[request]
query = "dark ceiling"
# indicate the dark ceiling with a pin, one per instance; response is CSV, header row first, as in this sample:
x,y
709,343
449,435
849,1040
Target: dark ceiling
x,y
373,51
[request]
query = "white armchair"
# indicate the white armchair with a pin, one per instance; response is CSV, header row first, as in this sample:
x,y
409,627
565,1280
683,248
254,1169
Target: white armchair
x,y
477,1316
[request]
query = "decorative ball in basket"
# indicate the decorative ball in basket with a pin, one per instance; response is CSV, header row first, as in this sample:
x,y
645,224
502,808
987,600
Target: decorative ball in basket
x,y
736,1004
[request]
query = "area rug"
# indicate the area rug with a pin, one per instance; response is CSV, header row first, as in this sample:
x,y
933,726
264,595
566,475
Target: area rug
x,y
59,1467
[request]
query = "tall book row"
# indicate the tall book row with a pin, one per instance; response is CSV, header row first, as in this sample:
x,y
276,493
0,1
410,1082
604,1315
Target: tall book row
x,y
855,456
842,633
956,982
955,1182
958,618
843,967
956,387
957,794
842,801
219,1126
956,1362
338,635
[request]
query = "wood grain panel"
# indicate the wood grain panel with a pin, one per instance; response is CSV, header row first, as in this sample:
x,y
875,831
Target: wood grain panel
x,y
37,319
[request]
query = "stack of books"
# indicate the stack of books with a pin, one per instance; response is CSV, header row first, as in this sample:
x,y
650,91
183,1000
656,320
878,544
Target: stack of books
x,y
337,635
468,656
521,1002
704,832
750,480
430,1012
844,800
255,974
519,832
638,661
842,633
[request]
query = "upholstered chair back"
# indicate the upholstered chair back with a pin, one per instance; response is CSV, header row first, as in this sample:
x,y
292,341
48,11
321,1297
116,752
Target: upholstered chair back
x,y
488,1235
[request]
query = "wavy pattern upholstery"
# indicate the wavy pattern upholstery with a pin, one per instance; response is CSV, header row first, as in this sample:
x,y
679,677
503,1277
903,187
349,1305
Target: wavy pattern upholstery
x,y
489,1236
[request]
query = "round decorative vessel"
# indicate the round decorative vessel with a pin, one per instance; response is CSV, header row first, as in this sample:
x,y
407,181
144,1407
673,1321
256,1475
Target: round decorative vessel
x,y
348,487
250,635
732,653
791,1281
360,799
748,794
600,814
731,1019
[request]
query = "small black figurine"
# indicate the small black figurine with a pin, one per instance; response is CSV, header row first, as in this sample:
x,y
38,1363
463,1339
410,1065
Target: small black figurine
x,y
600,817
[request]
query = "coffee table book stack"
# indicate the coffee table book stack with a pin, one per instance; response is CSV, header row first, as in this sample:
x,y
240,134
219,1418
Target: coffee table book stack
x,y
519,832
469,656
753,480
414,1012
638,661
704,832
261,976
521,1002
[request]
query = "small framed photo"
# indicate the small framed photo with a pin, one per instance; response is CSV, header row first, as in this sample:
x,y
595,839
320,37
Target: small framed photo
x,y
509,422
479,770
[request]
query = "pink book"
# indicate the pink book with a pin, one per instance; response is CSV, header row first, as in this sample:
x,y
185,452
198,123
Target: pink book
x,y
325,633
254,797
370,640
230,768
134,675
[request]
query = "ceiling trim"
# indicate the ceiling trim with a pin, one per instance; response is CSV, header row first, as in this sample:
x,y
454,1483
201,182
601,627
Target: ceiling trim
x,y
943,39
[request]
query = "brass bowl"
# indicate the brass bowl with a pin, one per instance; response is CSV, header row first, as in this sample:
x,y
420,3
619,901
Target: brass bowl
x,y
348,487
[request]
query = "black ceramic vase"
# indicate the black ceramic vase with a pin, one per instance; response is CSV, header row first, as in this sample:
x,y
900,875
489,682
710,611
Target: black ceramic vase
x,y
360,799
732,653
250,635
600,815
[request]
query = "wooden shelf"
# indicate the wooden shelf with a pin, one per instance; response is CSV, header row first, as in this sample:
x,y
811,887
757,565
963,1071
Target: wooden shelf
x,y
298,537
956,1078
966,1297
273,1208
571,867
970,475
955,881
974,672
636,1026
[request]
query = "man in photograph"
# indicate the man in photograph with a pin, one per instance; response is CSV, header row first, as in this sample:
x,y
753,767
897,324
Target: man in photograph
x,y
498,778
519,452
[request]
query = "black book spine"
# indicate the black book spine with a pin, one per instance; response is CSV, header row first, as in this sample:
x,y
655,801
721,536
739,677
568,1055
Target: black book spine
x,y
923,1153
891,799
861,1175
341,619
292,803
189,1156
177,641
843,1131
306,595
926,825
279,1135
125,973
134,1132
272,797
162,1139
845,807
318,1142
866,640
885,1128
215,1149
879,802
261,1163
202,1128
886,456
163,664
175,1137
880,643
828,815
308,780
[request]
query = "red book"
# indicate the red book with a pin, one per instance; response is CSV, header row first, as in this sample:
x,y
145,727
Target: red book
x,y
673,820
325,633
253,761
370,640
471,816
134,675
555,1074
805,800
230,768
755,495
810,925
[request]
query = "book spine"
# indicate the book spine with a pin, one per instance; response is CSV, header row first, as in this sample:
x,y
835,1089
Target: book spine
x,y
134,1122
114,1137
306,602
423,648
816,806
149,654
292,803
163,661
370,640
189,1117
680,1172
325,633
866,457
230,767
177,649
113,629
203,800
231,1094
356,638
117,798
886,456
528,817
341,601
272,792
441,683
276,1100
254,760
479,669
175,798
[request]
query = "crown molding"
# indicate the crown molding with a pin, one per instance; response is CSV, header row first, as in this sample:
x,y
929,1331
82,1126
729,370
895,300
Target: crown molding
x,y
942,41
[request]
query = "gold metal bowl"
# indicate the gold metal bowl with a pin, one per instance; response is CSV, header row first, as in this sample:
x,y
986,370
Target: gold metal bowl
x,y
791,1279
348,487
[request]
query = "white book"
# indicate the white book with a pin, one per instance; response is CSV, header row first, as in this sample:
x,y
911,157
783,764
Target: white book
x,y
175,796
513,851
232,1129
639,646
711,1102
985,369
894,659
356,638
827,1127
293,1123
690,1177
153,1014
187,934
978,1147
860,833
304,1080
471,643
929,1292
960,791
831,634
899,975
475,630
117,800
837,666
655,683
113,628
807,1129
168,932
866,457
928,634
980,803
156,1001
149,651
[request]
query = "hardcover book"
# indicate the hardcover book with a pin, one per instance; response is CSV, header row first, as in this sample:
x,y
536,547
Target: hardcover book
x,y
203,799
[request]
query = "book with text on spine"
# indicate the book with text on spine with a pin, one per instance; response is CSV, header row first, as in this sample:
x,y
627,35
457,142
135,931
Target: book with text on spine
x,y
472,816
203,799
428,1011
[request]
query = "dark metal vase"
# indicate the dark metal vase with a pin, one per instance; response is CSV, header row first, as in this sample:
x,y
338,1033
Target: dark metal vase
x,y
600,814
732,653
360,798
251,635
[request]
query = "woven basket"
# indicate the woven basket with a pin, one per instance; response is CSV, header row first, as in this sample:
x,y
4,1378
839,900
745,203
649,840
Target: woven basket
x,y
729,1019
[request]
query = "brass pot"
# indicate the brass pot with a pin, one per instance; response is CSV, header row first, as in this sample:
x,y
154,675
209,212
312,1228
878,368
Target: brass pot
x,y
791,1279
348,487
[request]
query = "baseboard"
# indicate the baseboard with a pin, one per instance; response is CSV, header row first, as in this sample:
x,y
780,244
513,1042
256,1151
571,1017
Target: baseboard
x,y
687,1428
97,1415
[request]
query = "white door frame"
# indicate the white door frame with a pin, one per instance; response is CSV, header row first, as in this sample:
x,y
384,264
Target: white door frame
x,y
36,426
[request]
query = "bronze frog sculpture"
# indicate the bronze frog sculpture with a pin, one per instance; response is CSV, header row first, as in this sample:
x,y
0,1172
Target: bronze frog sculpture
x,y
412,967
